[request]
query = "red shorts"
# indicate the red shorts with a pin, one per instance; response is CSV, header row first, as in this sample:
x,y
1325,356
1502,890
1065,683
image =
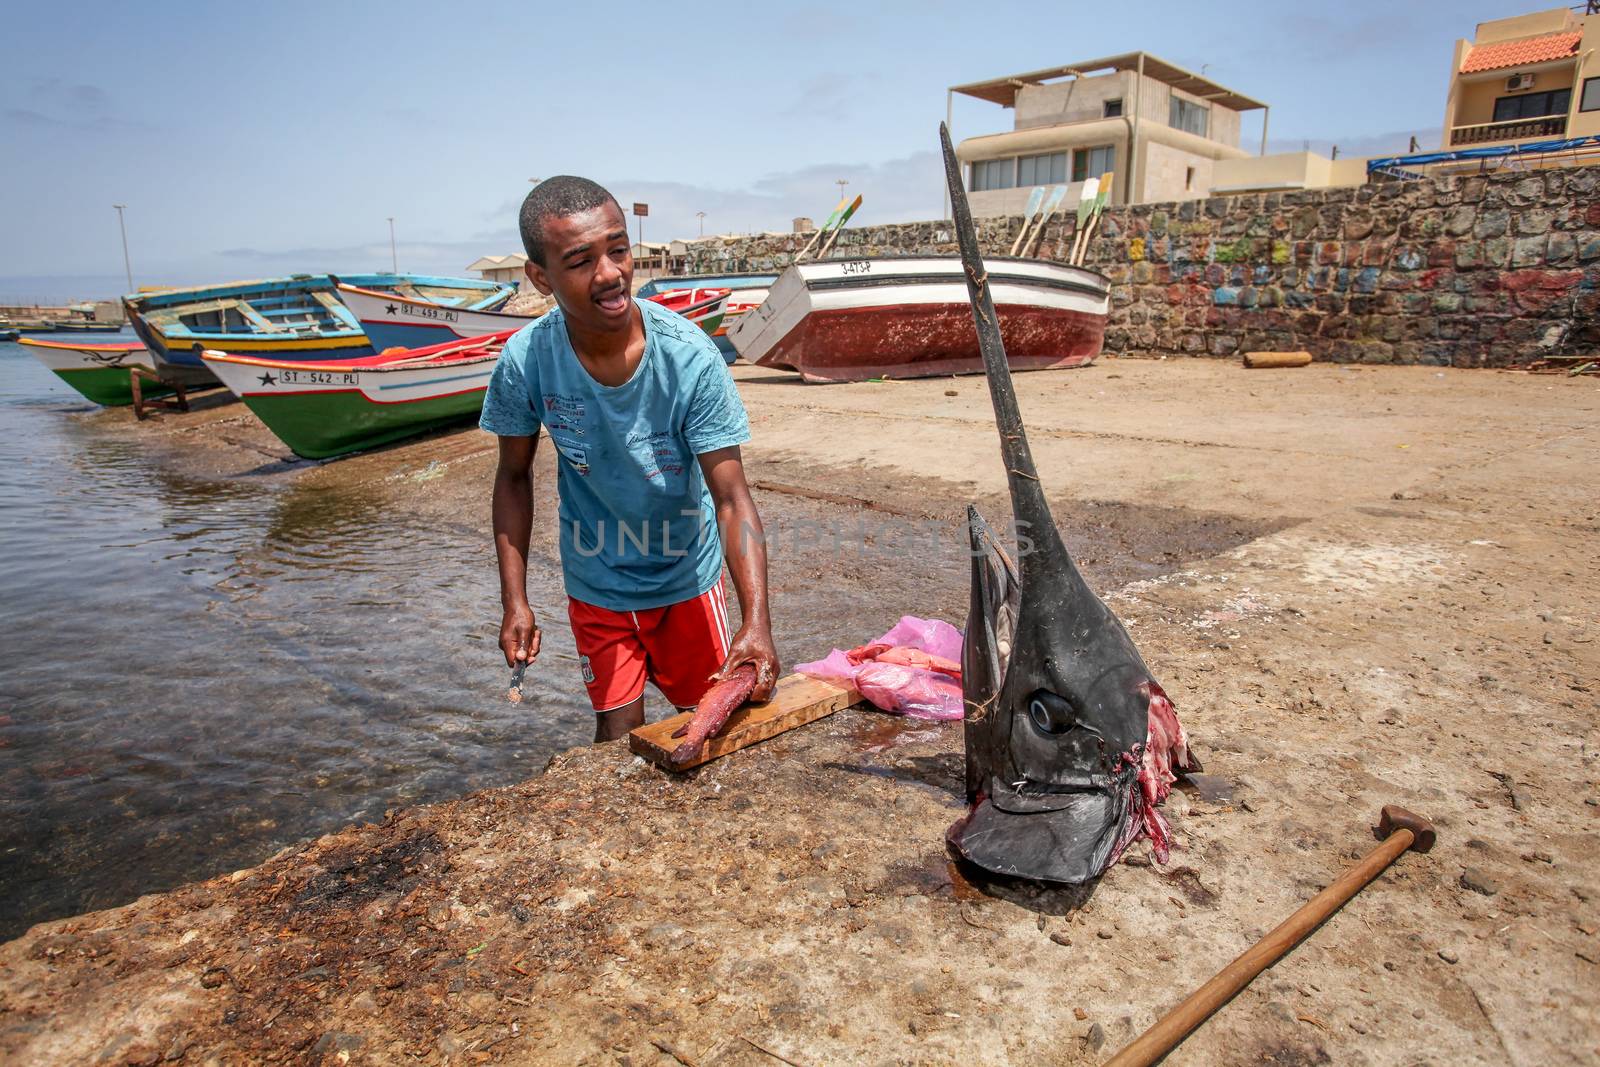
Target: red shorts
x,y
678,647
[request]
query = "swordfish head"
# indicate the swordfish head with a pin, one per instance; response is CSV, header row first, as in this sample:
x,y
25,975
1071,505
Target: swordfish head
x,y
1058,699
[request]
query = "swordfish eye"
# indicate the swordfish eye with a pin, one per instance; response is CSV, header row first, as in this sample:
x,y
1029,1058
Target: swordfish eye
x,y
1050,713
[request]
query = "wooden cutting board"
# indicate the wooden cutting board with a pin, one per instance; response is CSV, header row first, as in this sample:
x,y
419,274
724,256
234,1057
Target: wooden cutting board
x,y
795,701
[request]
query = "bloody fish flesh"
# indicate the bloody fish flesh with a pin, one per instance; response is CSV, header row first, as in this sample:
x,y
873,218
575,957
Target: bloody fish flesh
x,y
711,714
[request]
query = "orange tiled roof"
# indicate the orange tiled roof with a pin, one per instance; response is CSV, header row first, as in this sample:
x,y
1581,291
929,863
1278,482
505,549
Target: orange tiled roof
x,y
1519,53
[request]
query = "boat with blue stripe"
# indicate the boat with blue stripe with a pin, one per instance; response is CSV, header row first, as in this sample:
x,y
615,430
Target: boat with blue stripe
x,y
295,318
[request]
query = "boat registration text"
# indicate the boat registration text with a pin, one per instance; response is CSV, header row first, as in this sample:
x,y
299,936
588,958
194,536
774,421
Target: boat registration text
x,y
440,314
318,377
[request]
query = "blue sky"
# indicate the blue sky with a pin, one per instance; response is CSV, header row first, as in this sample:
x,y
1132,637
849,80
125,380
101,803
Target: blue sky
x,y
261,139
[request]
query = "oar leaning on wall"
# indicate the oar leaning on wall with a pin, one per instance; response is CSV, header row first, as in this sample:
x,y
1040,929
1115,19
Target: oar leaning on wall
x,y
829,241
1058,194
823,230
1096,211
1035,198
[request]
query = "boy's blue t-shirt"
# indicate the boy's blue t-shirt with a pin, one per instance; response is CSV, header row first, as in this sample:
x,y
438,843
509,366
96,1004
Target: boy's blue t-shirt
x,y
638,527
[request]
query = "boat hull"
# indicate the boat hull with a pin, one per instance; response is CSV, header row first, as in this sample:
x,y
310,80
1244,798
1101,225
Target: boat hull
x,y
333,410
398,322
185,352
749,290
298,318
100,373
324,425
739,305
843,321
88,327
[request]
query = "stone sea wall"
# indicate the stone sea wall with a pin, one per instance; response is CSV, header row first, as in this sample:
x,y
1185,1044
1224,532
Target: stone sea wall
x,y
1488,270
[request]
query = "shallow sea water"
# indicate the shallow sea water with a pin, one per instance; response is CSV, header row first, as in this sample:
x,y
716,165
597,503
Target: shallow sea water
x,y
196,672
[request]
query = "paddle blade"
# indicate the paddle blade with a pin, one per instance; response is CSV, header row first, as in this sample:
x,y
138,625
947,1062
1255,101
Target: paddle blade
x,y
1086,198
851,210
833,217
1034,199
1058,194
1105,191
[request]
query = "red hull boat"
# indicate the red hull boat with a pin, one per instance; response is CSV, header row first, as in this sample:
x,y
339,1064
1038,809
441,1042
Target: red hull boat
x,y
851,320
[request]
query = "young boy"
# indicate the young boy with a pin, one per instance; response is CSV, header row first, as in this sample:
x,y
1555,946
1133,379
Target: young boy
x,y
647,426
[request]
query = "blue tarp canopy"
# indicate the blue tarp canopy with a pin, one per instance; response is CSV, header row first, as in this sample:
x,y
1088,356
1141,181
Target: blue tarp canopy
x,y
1397,165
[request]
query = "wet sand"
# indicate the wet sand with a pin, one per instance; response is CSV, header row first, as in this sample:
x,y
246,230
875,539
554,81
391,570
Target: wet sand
x,y
1360,586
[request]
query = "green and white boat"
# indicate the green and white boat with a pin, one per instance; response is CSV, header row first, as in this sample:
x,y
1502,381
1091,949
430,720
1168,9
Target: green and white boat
x,y
323,408
101,371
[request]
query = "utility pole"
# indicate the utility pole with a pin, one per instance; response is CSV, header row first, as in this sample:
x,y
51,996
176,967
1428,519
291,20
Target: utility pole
x,y
394,256
701,215
126,263
841,183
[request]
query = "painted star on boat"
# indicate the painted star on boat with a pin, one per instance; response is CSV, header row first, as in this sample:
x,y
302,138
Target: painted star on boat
x,y
391,309
267,379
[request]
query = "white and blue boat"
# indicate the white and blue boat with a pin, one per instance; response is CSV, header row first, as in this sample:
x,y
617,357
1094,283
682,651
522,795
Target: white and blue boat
x,y
295,318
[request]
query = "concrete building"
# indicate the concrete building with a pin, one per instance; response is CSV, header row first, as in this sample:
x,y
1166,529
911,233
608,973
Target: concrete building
x,y
1159,128
1526,78
1284,172
500,268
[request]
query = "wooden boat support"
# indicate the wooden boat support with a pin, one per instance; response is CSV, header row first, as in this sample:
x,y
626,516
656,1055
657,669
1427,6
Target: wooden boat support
x,y
166,389
142,405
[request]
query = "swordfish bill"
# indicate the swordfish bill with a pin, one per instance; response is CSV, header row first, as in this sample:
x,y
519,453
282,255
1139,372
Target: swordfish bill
x,y
1059,702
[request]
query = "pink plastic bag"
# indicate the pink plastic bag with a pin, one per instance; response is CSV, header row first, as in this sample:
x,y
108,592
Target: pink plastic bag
x,y
910,691
901,689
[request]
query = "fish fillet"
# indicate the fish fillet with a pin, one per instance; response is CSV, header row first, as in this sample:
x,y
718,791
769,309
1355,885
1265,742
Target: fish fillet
x,y
711,714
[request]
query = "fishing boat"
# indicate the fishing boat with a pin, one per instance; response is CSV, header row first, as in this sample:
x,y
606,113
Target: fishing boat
x,y
748,291
703,307
294,318
8,334
323,408
86,326
100,371
909,317
394,321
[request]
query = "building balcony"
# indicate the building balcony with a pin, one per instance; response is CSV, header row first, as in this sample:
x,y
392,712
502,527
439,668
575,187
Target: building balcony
x,y
1515,130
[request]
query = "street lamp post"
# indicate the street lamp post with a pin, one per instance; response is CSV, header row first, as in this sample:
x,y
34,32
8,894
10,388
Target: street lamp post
x,y
127,265
841,183
701,215
394,255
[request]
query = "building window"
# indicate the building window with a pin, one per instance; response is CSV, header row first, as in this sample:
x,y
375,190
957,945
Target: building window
x,y
1188,178
994,174
1532,105
1188,116
1590,100
1093,162
1042,170
1114,108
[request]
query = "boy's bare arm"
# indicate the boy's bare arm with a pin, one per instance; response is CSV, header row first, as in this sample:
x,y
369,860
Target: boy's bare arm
x,y
745,547
513,527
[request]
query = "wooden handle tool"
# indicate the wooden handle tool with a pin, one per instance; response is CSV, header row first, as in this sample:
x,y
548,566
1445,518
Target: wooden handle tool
x,y
1400,830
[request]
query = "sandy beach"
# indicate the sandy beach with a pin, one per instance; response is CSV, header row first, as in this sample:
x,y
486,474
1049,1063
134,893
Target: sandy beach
x,y
1360,586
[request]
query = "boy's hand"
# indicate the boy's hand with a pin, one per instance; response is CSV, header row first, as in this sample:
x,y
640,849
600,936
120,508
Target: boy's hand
x,y
753,645
519,635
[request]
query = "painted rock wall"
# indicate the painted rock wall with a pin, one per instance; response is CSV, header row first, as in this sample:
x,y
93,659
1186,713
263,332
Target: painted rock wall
x,y
1490,270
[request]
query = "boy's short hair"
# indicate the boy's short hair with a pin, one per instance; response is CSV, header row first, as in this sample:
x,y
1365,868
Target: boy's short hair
x,y
557,197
